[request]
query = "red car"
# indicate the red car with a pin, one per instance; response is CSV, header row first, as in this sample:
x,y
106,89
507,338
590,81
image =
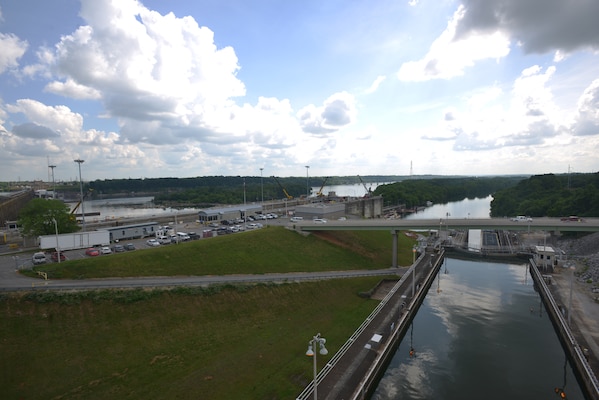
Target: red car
x,y
92,252
54,256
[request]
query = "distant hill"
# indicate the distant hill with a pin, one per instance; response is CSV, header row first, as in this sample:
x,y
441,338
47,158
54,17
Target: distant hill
x,y
550,195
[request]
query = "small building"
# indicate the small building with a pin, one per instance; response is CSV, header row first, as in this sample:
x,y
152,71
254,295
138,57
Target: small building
x,y
545,258
134,231
218,214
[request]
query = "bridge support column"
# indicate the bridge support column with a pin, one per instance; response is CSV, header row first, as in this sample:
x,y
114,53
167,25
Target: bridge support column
x,y
394,248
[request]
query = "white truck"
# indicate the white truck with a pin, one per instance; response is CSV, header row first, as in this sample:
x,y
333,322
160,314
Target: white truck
x,y
521,218
78,240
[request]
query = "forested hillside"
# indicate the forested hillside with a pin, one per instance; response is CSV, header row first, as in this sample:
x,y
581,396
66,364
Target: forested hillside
x,y
550,195
416,192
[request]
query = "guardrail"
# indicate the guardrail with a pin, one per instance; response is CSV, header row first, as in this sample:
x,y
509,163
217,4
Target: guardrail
x,y
308,390
591,384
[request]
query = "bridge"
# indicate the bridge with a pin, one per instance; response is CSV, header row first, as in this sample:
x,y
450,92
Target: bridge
x,y
538,224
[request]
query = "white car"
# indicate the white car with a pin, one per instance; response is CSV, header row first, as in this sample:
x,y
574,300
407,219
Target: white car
x,y
105,250
521,218
153,243
319,221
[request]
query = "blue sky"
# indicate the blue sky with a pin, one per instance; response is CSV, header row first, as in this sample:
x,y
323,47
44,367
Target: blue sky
x,y
182,89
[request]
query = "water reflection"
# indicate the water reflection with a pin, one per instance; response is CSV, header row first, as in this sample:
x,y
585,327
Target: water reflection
x,y
467,208
479,335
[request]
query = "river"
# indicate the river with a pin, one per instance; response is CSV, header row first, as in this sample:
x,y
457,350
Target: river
x,y
481,333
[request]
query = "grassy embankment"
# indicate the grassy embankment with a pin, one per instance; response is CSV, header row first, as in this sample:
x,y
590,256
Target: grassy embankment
x,y
190,343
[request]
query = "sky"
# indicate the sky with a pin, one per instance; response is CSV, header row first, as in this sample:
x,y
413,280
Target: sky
x,y
150,89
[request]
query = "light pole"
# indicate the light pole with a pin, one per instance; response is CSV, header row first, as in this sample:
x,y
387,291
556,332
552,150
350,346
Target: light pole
x,y
57,244
307,183
262,186
53,182
80,161
311,353
572,269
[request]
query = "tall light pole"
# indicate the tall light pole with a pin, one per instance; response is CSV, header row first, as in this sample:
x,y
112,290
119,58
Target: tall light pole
x,y
57,244
262,186
307,183
53,182
80,161
312,353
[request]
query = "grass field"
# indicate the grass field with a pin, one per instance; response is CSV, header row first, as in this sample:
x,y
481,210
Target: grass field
x,y
272,249
244,342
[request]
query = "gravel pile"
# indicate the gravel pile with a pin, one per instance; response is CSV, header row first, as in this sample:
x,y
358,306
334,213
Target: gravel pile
x,y
585,250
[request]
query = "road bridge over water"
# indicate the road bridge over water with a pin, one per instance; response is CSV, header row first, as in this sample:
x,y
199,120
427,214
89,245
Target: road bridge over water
x,y
537,224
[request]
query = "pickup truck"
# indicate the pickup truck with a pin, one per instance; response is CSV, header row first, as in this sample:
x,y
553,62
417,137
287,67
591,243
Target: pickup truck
x,y
521,218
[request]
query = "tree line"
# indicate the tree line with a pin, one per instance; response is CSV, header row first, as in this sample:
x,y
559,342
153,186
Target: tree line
x,y
417,192
550,195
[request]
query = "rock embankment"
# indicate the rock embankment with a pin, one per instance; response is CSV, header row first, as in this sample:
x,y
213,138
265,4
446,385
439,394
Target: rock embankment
x,y
585,251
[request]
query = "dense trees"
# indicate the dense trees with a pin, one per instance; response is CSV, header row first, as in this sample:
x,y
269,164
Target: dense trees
x,y
38,215
550,195
416,192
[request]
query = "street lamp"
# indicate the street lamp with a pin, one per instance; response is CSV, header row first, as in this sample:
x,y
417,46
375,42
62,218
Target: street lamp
x,y
80,161
53,181
262,185
57,244
307,183
311,353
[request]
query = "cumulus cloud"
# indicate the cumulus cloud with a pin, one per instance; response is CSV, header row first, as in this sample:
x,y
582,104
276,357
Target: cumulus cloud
x,y
587,121
337,111
539,25
450,55
11,50
34,131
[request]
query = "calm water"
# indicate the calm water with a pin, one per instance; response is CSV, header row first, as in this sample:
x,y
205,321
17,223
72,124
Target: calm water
x,y
467,208
481,333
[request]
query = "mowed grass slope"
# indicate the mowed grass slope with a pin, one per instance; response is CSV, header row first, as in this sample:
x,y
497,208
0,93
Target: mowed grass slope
x,y
234,343
244,342
272,249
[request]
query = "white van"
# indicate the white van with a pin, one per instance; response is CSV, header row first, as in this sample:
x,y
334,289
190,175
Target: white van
x,y
182,236
296,219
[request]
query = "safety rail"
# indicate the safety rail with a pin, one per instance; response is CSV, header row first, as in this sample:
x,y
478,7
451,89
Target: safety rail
x,y
572,346
308,390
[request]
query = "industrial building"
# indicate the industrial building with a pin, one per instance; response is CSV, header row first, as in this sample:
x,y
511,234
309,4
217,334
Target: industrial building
x,y
218,214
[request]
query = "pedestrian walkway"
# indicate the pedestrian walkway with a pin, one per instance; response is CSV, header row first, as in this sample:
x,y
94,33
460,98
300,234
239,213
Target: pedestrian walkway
x,y
353,371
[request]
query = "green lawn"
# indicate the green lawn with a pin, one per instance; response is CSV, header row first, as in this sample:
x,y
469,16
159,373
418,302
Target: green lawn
x,y
272,249
220,342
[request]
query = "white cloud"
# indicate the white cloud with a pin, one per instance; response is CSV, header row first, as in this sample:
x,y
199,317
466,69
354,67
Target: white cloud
x,y
587,121
11,50
449,55
375,85
338,111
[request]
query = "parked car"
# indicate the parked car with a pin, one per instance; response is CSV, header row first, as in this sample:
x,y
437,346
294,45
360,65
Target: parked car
x,y
105,250
129,246
153,243
54,256
38,258
193,235
118,248
92,252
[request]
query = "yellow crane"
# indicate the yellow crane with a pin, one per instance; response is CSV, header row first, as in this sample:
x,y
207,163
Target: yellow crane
x,y
287,195
319,193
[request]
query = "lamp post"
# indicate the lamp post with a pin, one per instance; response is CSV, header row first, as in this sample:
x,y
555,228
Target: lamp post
x,y
80,161
53,182
312,353
572,269
307,183
57,244
262,186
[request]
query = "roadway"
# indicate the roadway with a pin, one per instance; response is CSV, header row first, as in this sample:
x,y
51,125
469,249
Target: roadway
x,y
537,224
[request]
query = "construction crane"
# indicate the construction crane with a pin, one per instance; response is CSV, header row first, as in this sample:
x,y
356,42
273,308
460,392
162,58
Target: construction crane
x,y
287,195
368,190
319,193
74,210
